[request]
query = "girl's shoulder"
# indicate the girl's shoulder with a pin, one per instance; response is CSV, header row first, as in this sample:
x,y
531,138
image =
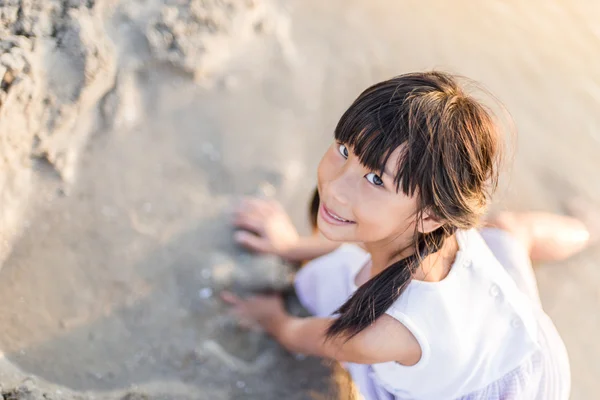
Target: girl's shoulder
x,y
471,317
388,340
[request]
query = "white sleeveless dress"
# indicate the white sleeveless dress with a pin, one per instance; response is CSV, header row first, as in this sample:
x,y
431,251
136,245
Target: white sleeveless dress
x,y
482,330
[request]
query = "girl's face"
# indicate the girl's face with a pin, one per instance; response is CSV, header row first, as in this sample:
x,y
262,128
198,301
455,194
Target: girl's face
x,y
359,205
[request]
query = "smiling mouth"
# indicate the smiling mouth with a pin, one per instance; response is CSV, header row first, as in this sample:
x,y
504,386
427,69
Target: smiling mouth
x,y
335,217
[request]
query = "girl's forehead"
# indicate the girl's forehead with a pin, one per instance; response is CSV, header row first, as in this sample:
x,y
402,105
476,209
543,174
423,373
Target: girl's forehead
x,y
391,166
389,160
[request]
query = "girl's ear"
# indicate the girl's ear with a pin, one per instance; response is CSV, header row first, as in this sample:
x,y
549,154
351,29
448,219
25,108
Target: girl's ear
x,y
429,222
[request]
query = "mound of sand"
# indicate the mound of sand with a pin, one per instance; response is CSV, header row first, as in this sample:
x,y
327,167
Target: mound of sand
x,y
128,128
70,70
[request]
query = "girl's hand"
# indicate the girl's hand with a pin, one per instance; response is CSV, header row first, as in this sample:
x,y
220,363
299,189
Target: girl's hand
x,y
264,311
266,227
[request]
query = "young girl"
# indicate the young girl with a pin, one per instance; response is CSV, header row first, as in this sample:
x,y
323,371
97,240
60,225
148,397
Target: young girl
x,y
423,305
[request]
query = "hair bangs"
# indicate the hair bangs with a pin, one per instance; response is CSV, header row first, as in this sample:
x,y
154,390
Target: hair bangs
x,y
373,131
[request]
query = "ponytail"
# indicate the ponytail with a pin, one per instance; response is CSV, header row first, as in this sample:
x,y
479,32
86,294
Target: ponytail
x,y
373,298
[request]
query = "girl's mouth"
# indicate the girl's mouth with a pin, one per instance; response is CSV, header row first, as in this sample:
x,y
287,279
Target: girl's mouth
x,y
332,218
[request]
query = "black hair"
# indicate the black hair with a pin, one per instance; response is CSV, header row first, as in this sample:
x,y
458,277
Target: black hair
x,y
449,160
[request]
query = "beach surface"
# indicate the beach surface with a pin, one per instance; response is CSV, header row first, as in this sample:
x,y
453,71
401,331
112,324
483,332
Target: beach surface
x,y
131,128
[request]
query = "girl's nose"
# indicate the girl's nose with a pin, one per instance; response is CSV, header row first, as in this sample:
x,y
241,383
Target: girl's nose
x,y
340,199
340,189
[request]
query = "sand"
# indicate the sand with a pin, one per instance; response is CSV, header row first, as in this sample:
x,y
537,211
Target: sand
x,y
134,126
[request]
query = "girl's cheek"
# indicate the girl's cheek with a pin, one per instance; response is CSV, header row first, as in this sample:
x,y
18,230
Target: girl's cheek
x,y
321,171
371,208
368,197
321,165
326,166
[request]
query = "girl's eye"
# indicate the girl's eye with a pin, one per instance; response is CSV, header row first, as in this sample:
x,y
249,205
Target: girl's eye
x,y
343,150
374,179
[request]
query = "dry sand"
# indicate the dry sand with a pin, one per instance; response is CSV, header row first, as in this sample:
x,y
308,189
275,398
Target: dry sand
x,y
118,231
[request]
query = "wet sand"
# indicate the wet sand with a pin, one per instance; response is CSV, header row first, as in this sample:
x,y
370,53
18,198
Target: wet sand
x,y
111,287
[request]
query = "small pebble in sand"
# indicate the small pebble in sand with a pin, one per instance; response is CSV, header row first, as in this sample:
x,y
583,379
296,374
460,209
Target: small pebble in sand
x,y
205,273
205,293
266,189
209,150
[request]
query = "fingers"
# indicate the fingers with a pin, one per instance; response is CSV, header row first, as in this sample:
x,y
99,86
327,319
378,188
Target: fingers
x,y
259,207
254,206
234,300
252,214
251,241
239,310
246,323
230,298
274,205
251,222
255,209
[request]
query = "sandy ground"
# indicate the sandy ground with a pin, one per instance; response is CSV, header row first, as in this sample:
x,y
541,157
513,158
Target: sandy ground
x,y
110,290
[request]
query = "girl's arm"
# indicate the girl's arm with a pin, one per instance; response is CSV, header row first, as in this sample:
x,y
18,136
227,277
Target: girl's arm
x,y
385,340
309,247
302,248
265,227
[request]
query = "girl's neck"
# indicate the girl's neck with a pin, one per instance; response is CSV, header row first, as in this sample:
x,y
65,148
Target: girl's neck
x,y
433,268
